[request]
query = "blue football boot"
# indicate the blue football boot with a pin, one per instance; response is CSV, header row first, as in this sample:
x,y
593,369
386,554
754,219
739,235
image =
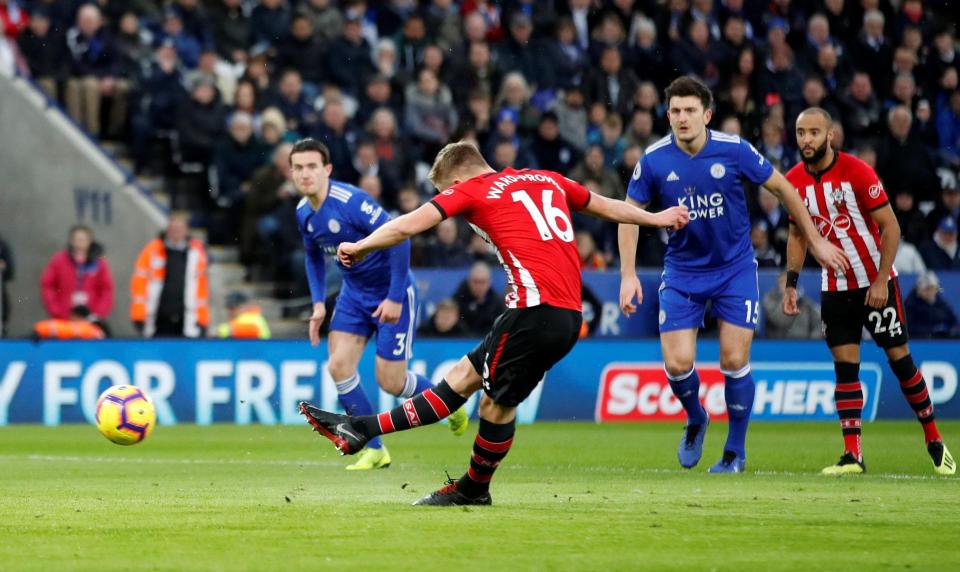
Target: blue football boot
x,y
730,463
691,444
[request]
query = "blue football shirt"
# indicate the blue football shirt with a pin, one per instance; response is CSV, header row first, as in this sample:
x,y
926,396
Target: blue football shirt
x,y
348,214
710,184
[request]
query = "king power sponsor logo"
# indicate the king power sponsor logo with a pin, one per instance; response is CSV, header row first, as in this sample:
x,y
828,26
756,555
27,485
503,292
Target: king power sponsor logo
x,y
786,391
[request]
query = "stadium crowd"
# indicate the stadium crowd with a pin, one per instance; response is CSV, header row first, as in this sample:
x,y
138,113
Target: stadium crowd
x,y
212,92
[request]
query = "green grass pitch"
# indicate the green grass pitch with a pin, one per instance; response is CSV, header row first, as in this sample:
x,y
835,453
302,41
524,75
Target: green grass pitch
x,y
570,496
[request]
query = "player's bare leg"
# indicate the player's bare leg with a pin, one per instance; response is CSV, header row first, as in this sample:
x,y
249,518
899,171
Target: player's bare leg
x,y
739,390
914,388
350,434
679,349
345,350
394,378
848,396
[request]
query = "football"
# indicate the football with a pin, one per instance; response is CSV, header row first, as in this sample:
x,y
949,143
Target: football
x,y
125,415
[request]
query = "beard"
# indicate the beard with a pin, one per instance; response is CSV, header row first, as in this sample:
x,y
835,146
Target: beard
x,y
818,154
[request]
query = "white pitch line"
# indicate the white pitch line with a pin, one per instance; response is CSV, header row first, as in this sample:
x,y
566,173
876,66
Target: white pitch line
x,y
282,462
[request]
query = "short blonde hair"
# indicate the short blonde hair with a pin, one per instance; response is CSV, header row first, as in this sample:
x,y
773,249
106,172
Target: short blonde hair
x,y
453,158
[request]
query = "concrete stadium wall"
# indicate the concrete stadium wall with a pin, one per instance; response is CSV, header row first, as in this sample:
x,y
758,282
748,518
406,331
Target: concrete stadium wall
x,y
53,176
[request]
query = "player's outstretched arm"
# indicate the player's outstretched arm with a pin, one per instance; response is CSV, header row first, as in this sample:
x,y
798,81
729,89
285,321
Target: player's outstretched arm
x,y
630,288
827,254
624,212
796,253
390,234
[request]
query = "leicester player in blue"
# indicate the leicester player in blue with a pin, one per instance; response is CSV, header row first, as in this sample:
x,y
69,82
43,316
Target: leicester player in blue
x,y
711,260
378,296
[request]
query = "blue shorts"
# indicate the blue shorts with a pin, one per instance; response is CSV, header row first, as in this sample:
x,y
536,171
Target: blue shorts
x,y
733,292
353,315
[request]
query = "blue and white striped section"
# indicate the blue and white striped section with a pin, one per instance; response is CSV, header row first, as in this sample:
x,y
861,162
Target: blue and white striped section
x,y
341,194
659,144
724,137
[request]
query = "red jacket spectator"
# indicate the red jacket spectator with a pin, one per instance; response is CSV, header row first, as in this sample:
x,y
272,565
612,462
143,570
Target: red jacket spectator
x,y
78,276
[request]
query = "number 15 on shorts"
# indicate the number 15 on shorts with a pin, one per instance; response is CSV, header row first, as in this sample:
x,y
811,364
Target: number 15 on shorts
x,y
753,311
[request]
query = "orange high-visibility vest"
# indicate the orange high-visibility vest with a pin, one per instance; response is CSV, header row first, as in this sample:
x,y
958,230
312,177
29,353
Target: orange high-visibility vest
x,y
248,325
147,283
68,330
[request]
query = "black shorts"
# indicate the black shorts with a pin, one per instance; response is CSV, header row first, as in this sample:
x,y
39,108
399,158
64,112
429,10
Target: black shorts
x,y
845,315
519,349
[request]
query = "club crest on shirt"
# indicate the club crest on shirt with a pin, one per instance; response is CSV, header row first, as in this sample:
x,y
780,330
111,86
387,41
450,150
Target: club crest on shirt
x,y
874,190
636,172
837,196
334,226
717,170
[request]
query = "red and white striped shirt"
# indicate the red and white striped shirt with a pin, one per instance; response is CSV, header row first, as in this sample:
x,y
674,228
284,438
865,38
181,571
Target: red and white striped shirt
x,y
840,200
525,215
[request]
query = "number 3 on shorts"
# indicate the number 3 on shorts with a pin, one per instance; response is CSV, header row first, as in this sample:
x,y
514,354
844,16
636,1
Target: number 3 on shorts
x,y
401,344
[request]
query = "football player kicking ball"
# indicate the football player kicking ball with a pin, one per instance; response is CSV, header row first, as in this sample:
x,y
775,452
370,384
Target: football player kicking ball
x,y
525,214
377,296
711,260
847,201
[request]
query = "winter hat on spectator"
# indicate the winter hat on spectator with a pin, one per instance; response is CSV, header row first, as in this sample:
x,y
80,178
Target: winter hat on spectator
x,y
947,224
236,299
507,113
928,279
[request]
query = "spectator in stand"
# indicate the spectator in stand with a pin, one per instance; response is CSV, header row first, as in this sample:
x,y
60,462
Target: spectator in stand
x,y
913,227
590,258
158,96
270,183
861,111
521,54
872,51
430,114
948,126
549,150
448,251
45,52
572,117
737,102
231,30
325,18
302,50
949,204
393,154
929,315
568,59
515,95
348,59
909,260
411,43
766,255
79,275
236,158
291,100
942,57
941,253
94,67
200,122
6,276
246,319
188,46
610,139
194,18
903,161
169,285
612,84
269,21
778,325
480,304
477,72
445,322
647,54
640,133
696,54
593,167
334,131
378,94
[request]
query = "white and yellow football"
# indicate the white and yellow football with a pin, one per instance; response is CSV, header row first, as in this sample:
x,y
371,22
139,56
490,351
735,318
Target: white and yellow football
x,y
125,414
